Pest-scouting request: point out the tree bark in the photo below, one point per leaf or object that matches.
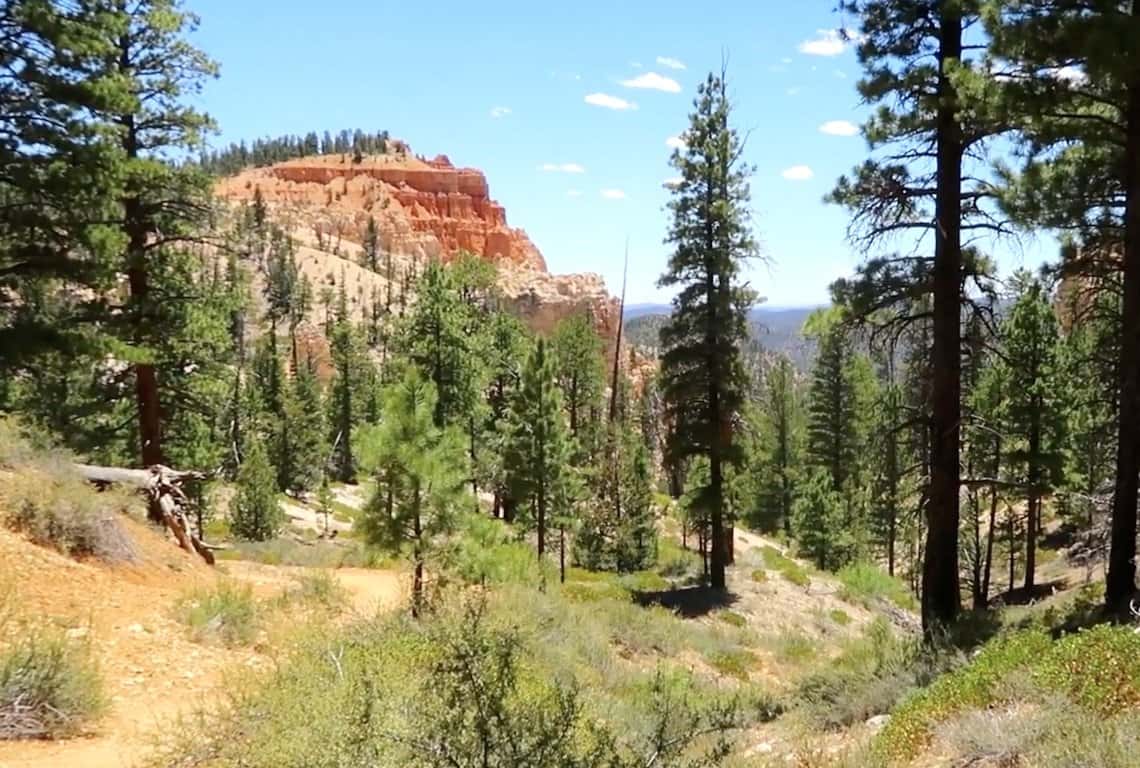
(163, 487)
(941, 597)
(1121, 582)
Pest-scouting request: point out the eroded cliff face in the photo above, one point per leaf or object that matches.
(423, 209)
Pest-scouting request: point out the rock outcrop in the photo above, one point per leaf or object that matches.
(423, 209)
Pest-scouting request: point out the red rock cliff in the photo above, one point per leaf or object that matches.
(423, 208)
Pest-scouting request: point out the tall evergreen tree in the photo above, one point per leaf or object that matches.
(1029, 338)
(933, 108)
(420, 472)
(60, 187)
(436, 339)
(703, 379)
(578, 351)
(255, 514)
(537, 451)
(1075, 76)
(161, 203)
(781, 431)
(343, 415)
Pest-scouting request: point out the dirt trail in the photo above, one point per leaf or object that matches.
(152, 672)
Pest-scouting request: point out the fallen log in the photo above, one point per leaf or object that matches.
(163, 486)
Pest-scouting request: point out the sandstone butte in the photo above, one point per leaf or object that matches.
(423, 209)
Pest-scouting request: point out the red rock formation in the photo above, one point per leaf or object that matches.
(423, 209)
(452, 206)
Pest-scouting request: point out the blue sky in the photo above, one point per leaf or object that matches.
(551, 101)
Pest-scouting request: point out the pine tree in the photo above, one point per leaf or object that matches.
(887, 489)
(536, 455)
(577, 351)
(435, 339)
(371, 244)
(933, 105)
(986, 434)
(1075, 79)
(161, 202)
(703, 379)
(60, 187)
(1035, 417)
(255, 514)
(420, 472)
(780, 450)
(343, 416)
(820, 523)
(506, 353)
(304, 466)
(1088, 361)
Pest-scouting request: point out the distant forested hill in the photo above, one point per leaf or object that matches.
(773, 330)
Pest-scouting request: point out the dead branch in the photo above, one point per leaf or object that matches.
(163, 486)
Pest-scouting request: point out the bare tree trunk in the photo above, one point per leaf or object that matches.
(940, 589)
(163, 487)
(1121, 582)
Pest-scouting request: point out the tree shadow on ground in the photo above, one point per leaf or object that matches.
(1022, 596)
(688, 602)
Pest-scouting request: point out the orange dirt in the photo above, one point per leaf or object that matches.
(152, 671)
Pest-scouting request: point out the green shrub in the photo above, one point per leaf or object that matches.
(759, 575)
(675, 562)
(971, 687)
(1098, 668)
(787, 567)
(733, 662)
(732, 618)
(839, 616)
(56, 508)
(49, 687)
(1094, 669)
(593, 591)
(644, 581)
(485, 551)
(870, 676)
(227, 614)
(866, 583)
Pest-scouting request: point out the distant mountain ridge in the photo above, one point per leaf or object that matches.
(775, 329)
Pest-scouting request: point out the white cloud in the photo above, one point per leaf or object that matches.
(609, 102)
(573, 193)
(798, 173)
(561, 168)
(672, 183)
(786, 60)
(613, 194)
(497, 112)
(777, 68)
(828, 42)
(793, 91)
(675, 142)
(839, 128)
(635, 64)
(841, 74)
(671, 63)
(654, 82)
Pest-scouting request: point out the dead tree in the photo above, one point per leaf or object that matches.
(163, 487)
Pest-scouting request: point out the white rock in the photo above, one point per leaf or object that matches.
(878, 721)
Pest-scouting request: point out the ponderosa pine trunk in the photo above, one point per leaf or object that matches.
(1121, 581)
(147, 400)
(940, 590)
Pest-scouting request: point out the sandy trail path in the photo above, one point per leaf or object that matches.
(152, 672)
